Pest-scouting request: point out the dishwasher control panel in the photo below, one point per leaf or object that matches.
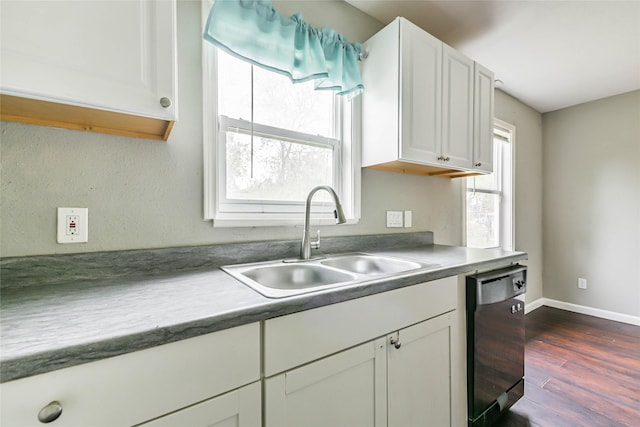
(518, 283)
(496, 285)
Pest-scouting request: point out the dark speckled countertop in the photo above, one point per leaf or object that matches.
(63, 310)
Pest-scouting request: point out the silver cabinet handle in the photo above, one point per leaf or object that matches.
(396, 341)
(50, 413)
(165, 102)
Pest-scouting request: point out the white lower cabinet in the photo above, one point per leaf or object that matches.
(176, 380)
(391, 359)
(239, 408)
(402, 377)
(346, 389)
(419, 374)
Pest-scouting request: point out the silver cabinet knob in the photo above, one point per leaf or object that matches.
(50, 413)
(165, 102)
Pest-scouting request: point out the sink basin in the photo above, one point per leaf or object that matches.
(371, 264)
(279, 279)
(296, 276)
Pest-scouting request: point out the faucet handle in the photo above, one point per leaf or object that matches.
(316, 244)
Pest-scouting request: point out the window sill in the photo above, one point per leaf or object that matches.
(274, 222)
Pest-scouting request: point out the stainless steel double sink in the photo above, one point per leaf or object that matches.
(282, 278)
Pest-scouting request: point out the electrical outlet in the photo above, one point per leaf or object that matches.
(582, 283)
(73, 225)
(394, 219)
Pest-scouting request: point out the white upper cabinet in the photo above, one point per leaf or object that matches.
(483, 120)
(457, 109)
(421, 94)
(425, 106)
(106, 61)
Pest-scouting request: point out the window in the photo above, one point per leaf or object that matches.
(268, 142)
(489, 198)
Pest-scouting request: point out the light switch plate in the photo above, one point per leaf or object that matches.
(73, 225)
(408, 219)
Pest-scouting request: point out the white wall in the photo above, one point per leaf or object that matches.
(145, 194)
(528, 184)
(592, 204)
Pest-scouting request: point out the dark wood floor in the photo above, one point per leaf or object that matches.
(579, 371)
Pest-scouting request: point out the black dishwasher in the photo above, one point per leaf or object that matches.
(495, 342)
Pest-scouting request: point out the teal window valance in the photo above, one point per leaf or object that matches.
(254, 31)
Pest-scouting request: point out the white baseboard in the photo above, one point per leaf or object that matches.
(604, 314)
(533, 305)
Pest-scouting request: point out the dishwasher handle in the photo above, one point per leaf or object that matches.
(497, 285)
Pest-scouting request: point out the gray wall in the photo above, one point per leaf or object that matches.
(592, 204)
(144, 194)
(528, 184)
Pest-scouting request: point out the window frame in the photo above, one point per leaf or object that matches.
(347, 173)
(239, 206)
(505, 168)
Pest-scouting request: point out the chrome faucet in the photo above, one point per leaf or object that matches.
(307, 244)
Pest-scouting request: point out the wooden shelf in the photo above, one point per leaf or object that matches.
(46, 113)
(426, 170)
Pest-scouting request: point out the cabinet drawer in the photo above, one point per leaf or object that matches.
(299, 338)
(139, 386)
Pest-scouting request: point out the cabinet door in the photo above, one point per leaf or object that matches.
(380, 100)
(421, 93)
(111, 55)
(483, 120)
(457, 109)
(419, 374)
(346, 389)
(239, 408)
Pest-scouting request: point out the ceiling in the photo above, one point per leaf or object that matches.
(548, 54)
